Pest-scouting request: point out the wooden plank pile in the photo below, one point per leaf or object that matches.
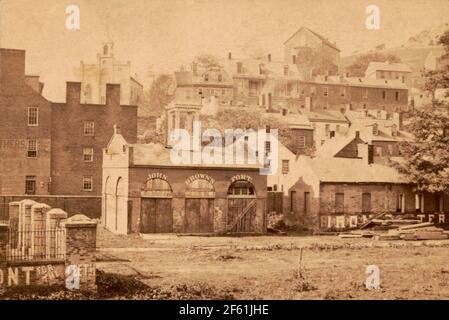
(398, 229)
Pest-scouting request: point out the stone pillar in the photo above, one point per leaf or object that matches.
(4, 242)
(81, 242)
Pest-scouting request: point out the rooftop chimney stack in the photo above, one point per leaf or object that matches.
(269, 57)
(230, 55)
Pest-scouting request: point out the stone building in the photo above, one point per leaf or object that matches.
(312, 53)
(107, 69)
(144, 191)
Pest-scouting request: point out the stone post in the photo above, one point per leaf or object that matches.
(81, 241)
(4, 242)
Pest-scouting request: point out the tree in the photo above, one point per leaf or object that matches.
(427, 157)
(208, 62)
(252, 120)
(358, 67)
(438, 79)
(160, 94)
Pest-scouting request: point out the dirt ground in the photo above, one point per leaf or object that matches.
(266, 267)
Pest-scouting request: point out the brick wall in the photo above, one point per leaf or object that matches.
(80, 256)
(69, 139)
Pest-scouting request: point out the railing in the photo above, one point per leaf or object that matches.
(36, 245)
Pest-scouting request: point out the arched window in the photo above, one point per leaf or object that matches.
(156, 187)
(200, 188)
(241, 188)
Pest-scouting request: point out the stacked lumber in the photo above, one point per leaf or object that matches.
(420, 231)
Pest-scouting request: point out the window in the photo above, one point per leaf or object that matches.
(325, 91)
(365, 93)
(30, 185)
(285, 166)
(87, 183)
(267, 146)
(419, 202)
(438, 203)
(292, 201)
(301, 142)
(285, 70)
(394, 130)
(342, 92)
(239, 67)
(375, 129)
(312, 90)
(384, 95)
(200, 91)
(306, 202)
(89, 128)
(33, 116)
(32, 148)
(337, 128)
(253, 88)
(400, 203)
(379, 151)
(88, 154)
(220, 78)
(327, 130)
(294, 59)
(397, 95)
(206, 77)
(339, 202)
(366, 202)
(390, 150)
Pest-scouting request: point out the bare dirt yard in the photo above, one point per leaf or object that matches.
(266, 267)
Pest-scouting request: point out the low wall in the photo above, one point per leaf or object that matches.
(75, 269)
(88, 205)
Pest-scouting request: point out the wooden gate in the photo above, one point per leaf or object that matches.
(199, 205)
(156, 206)
(156, 215)
(199, 215)
(242, 207)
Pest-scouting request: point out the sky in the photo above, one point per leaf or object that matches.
(165, 34)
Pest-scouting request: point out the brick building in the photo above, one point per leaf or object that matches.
(25, 129)
(54, 150)
(143, 191)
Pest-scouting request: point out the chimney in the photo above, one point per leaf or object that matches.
(366, 152)
(308, 103)
(73, 93)
(269, 57)
(112, 95)
(229, 55)
(357, 134)
(12, 64)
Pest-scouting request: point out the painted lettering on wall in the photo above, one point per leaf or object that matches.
(200, 176)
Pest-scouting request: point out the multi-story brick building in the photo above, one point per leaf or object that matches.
(54, 149)
(25, 129)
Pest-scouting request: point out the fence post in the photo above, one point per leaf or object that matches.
(4, 242)
(81, 242)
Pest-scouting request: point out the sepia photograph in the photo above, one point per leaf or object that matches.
(224, 150)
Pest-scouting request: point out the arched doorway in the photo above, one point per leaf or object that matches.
(242, 205)
(199, 206)
(156, 207)
(120, 204)
(109, 205)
